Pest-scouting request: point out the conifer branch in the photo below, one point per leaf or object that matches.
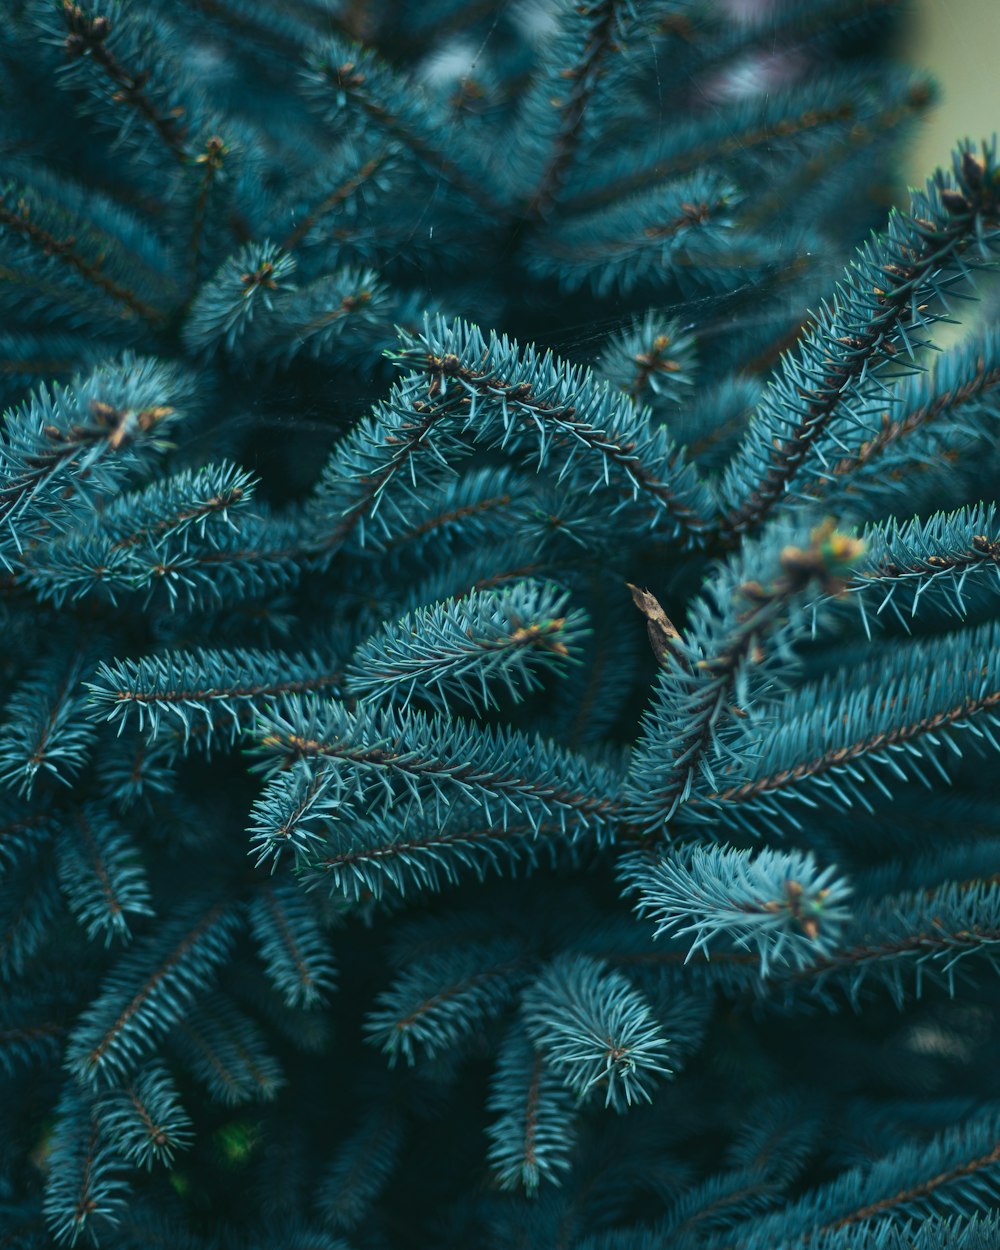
(335, 199)
(145, 1118)
(361, 1170)
(23, 832)
(905, 941)
(916, 1181)
(212, 160)
(460, 652)
(28, 356)
(351, 75)
(840, 756)
(977, 378)
(921, 709)
(533, 1134)
(225, 1051)
(833, 106)
(362, 468)
(43, 733)
(883, 306)
(596, 1030)
(919, 562)
(289, 32)
(147, 993)
(295, 951)
(29, 902)
(821, 169)
(358, 859)
(779, 904)
(922, 1192)
(603, 19)
(744, 623)
(438, 1001)
(102, 876)
(24, 1042)
(65, 249)
(372, 750)
(459, 511)
(687, 225)
(508, 396)
(97, 431)
(87, 38)
(84, 1187)
(652, 361)
(138, 532)
(205, 685)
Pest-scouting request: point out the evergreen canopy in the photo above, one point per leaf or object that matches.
(501, 667)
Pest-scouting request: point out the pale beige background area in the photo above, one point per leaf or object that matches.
(958, 41)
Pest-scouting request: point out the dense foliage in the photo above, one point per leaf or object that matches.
(501, 662)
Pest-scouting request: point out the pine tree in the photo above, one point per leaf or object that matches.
(501, 663)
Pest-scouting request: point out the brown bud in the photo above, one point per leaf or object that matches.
(955, 202)
(920, 94)
(260, 277)
(972, 171)
(755, 592)
(346, 78)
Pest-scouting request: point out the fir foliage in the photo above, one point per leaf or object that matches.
(778, 904)
(595, 1030)
(500, 681)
